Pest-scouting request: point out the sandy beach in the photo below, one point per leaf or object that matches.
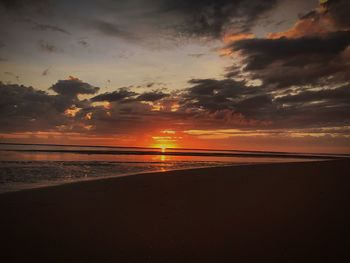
(286, 212)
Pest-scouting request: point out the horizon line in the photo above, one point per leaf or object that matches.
(171, 148)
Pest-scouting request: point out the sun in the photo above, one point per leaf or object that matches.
(163, 148)
(165, 139)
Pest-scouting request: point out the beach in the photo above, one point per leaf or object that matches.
(282, 212)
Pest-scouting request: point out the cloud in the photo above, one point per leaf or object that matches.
(118, 95)
(301, 77)
(152, 96)
(328, 17)
(256, 107)
(20, 6)
(72, 87)
(285, 62)
(196, 55)
(112, 30)
(45, 72)
(182, 19)
(339, 95)
(205, 104)
(262, 52)
(47, 47)
(313, 52)
(212, 94)
(339, 11)
(83, 43)
(45, 27)
(27, 109)
(214, 18)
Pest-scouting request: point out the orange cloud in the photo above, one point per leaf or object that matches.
(306, 27)
(228, 38)
(74, 78)
(317, 22)
(71, 112)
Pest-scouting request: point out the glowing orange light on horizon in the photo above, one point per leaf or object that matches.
(167, 139)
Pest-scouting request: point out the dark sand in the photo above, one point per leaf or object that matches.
(297, 212)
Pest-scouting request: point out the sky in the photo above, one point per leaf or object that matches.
(268, 75)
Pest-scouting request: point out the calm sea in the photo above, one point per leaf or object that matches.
(32, 166)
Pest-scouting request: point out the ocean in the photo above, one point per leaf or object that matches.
(25, 166)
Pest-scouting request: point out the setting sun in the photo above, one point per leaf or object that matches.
(166, 139)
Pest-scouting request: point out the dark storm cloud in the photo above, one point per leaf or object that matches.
(215, 17)
(339, 11)
(295, 61)
(262, 52)
(315, 51)
(220, 95)
(212, 87)
(152, 96)
(305, 109)
(257, 107)
(72, 87)
(118, 95)
(211, 94)
(339, 95)
(305, 77)
(207, 103)
(26, 109)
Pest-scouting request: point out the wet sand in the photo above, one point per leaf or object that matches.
(292, 212)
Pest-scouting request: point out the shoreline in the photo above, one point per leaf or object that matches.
(280, 212)
(111, 177)
(40, 185)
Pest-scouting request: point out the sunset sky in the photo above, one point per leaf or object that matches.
(231, 74)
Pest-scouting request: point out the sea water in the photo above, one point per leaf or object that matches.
(32, 166)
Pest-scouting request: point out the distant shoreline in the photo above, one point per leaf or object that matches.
(170, 148)
(171, 153)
